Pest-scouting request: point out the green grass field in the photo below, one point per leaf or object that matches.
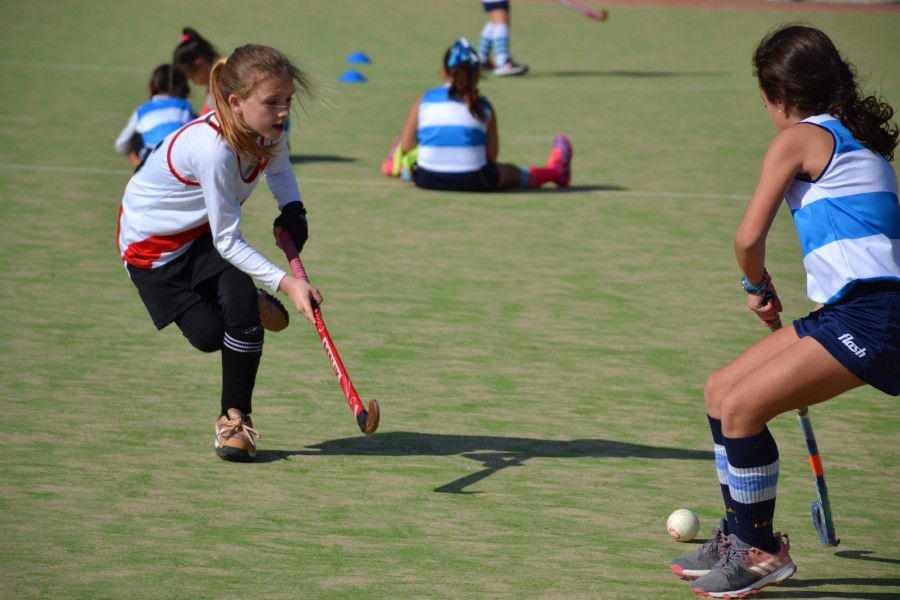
(539, 357)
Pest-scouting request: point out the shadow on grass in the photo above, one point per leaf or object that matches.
(785, 590)
(630, 74)
(297, 159)
(863, 555)
(566, 190)
(493, 452)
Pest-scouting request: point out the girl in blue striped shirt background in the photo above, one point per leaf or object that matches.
(451, 139)
(831, 161)
(152, 121)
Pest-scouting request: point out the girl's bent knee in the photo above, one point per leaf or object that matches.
(739, 418)
(712, 395)
(208, 341)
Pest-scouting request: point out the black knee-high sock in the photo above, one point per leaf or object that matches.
(722, 470)
(752, 480)
(241, 351)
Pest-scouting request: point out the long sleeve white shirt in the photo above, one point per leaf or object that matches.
(193, 183)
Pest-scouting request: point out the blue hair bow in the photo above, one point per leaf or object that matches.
(462, 54)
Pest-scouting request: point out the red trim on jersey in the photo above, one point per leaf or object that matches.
(144, 253)
(209, 121)
(169, 153)
(256, 170)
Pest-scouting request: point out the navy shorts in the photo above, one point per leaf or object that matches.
(862, 331)
(483, 180)
(490, 5)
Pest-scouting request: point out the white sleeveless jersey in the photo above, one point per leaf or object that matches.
(451, 140)
(848, 219)
(193, 183)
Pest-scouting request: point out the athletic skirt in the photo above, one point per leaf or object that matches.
(484, 179)
(169, 290)
(862, 331)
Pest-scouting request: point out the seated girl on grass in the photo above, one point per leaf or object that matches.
(450, 140)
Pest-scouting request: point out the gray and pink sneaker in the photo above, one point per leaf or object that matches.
(744, 570)
(561, 158)
(698, 563)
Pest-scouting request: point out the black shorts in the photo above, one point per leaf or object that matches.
(484, 179)
(862, 331)
(490, 5)
(169, 290)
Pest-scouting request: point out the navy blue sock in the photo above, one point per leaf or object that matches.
(722, 471)
(752, 481)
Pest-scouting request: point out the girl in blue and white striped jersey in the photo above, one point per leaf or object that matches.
(453, 131)
(166, 111)
(830, 160)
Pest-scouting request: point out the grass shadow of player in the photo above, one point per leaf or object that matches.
(297, 159)
(495, 453)
(631, 74)
(863, 555)
(785, 589)
(572, 189)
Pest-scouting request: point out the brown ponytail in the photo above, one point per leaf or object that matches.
(800, 66)
(867, 118)
(464, 86)
(238, 75)
(191, 47)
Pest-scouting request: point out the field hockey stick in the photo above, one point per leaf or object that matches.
(597, 16)
(821, 509)
(366, 419)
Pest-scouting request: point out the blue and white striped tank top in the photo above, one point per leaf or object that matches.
(161, 116)
(848, 219)
(451, 140)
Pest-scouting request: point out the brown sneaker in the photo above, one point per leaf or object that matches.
(272, 314)
(235, 437)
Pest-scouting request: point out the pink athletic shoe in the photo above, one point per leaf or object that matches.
(561, 158)
(387, 167)
(744, 570)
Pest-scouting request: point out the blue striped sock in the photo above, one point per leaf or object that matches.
(501, 43)
(484, 43)
(752, 481)
(524, 176)
(715, 426)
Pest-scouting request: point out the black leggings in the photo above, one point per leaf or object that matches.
(230, 302)
(228, 320)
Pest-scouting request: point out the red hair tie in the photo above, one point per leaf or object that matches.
(185, 37)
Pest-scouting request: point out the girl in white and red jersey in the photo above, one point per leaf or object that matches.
(195, 57)
(180, 237)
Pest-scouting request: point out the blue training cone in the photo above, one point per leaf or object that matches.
(359, 58)
(352, 77)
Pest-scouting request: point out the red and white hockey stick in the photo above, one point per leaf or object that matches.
(597, 16)
(366, 419)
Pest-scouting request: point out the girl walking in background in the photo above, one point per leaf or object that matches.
(495, 39)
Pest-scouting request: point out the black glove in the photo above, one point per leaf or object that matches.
(293, 220)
